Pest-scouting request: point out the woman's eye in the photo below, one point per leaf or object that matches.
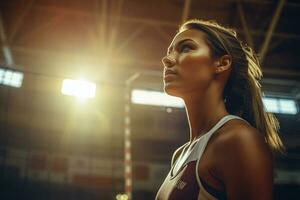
(184, 48)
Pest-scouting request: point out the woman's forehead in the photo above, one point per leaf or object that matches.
(193, 34)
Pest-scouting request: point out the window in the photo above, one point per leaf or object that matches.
(11, 78)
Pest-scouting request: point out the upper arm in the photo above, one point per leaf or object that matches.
(245, 165)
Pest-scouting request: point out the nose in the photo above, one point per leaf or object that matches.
(168, 61)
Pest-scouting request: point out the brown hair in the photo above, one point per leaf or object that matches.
(242, 93)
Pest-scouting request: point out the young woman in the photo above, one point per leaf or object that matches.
(232, 139)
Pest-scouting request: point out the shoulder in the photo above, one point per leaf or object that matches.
(239, 135)
(244, 161)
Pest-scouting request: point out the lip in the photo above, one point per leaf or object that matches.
(169, 75)
(169, 72)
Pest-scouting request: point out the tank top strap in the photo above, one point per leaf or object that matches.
(203, 140)
(194, 153)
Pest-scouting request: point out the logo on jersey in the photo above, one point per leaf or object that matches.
(180, 184)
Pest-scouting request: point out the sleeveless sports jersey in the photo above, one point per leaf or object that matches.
(183, 181)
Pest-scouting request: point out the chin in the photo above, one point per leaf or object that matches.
(171, 90)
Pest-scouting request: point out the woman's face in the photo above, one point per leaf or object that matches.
(188, 66)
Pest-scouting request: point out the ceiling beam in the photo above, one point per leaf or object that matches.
(20, 19)
(101, 23)
(186, 10)
(162, 23)
(245, 26)
(139, 30)
(265, 45)
(115, 27)
(8, 58)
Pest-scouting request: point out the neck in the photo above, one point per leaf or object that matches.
(203, 112)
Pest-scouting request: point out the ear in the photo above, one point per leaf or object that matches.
(223, 64)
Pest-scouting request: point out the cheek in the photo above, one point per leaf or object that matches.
(196, 67)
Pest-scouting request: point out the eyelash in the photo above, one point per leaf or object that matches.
(183, 47)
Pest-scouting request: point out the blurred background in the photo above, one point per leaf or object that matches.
(66, 66)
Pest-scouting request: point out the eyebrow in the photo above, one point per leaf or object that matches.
(178, 43)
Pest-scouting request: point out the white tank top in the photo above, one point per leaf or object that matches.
(192, 153)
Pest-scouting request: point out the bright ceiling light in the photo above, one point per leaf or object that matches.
(78, 88)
